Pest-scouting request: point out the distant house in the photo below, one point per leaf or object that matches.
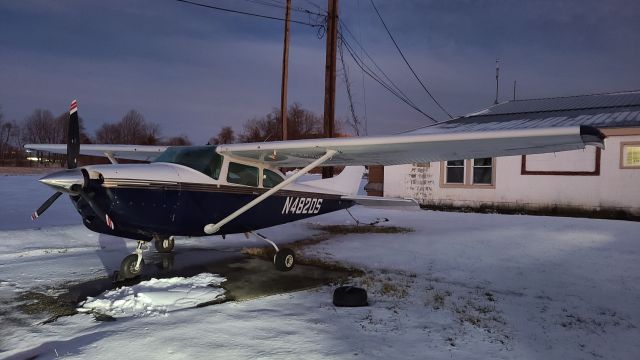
(590, 182)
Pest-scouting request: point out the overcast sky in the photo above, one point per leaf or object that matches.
(194, 70)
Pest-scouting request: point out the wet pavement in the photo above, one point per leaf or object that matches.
(248, 277)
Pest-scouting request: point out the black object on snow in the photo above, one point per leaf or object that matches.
(350, 296)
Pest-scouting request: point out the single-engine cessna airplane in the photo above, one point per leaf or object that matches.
(237, 188)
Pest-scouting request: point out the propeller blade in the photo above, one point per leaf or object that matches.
(73, 137)
(45, 205)
(101, 214)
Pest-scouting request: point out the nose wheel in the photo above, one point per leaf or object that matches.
(284, 259)
(131, 266)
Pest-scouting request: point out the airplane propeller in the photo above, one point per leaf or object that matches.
(73, 150)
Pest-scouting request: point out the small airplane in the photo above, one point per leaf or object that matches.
(238, 188)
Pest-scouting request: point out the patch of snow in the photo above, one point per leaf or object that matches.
(156, 296)
(462, 286)
(22, 194)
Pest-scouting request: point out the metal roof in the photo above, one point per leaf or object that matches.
(599, 110)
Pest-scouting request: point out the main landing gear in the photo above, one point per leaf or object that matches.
(164, 245)
(284, 259)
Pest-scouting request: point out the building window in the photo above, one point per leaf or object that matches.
(630, 156)
(470, 173)
(483, 171)
(455, 172)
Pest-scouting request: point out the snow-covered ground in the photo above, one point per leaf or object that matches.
(462, 286)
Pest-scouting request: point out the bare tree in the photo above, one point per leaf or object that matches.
(40, 128)
(181, 140)
(225, 136)
(266, 128)
(132, 129)
(9, 133)
(302, 124)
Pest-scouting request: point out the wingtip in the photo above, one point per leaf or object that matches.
(592, 136)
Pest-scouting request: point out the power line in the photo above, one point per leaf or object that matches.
(345, 73)
(407, 62)
(247, 13)
(372, 75)
(280, 6)
(364, 51)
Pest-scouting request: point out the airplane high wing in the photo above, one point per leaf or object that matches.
(130, 152)
(416, 148)
(379, 150)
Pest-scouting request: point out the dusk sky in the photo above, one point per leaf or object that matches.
(194, 70)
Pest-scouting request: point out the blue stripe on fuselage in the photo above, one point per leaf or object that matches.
(181, 212)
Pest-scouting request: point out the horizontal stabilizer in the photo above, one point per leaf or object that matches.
(383, 202)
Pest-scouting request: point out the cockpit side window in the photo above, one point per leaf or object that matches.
(270, 178)
(204, 159)
(242, 174)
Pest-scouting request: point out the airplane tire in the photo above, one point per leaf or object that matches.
(128, 267)
(164, 245)
(350, 296)
(284, 259)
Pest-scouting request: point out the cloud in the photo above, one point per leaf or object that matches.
(194, 71)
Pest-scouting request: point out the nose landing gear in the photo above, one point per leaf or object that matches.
(131, 266)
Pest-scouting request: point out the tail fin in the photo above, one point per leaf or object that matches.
(347, 182)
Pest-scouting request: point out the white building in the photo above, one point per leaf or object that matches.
(591, 182)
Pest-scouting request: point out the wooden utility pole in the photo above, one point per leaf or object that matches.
(285, 73)
(330, 76)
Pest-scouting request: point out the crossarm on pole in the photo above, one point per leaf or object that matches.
(214, 228)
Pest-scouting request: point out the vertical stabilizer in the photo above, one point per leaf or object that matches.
(347, 183)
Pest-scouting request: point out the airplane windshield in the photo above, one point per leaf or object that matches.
(204, 159)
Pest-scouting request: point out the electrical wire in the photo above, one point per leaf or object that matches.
(280, 6)
(371, 73)
(407, 62)
(247, 13)
(375, 64)
(375, 77)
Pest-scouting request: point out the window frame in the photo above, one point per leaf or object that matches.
(622, 154)
(446, 172)
(595, 172)
(468, 176)
(473, 171)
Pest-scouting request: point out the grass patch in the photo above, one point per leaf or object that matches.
(363, 229)
(38, 303)
(267, 253)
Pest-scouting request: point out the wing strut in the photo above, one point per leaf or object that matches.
(213, 228)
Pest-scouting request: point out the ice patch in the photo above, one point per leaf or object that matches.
(156, 296)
